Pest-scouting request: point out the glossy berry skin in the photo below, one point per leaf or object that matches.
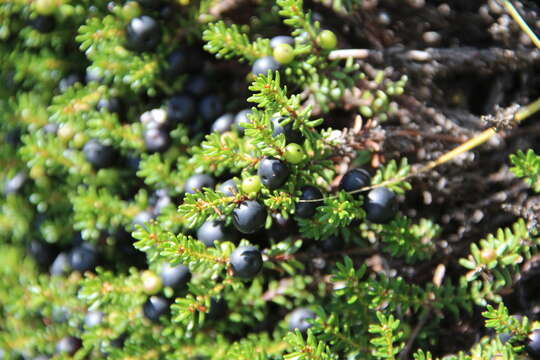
(251, 185)
(69, 81)
(281, 39)
(181, 109)
(327, 40)
(283, 53)
(112, 105)
(264, 64)
(246, 262)
(175, 277)
(291, 135)
(68, 345)
(93, 318)
(151, 282)
(143, 34)
(98, 154)
(142, 218)
(83, 257)
(210, 107)
(197, 182)
(354, 179)
(294, 153)
(298, 319)
(242, 117)
(273, 173)
(249, 217)
(61, 265)
(228, 188)
(380, 205)
(307, 209)
(156, 140)
(223, 123)
(212, 231)
(43, 23)
(16, 183)
(155, 307)
(533, 346)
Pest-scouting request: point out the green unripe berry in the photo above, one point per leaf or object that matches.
(251, 185)
(283, 53)
(327, 40)
(294, 153)
(45, 7)
(151, 282)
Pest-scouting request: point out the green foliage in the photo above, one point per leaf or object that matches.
(527, 166)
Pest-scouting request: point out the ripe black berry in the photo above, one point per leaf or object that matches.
(197, 85)
(61, 265)
(43, 23)
(43, 253)
(210, 107)
(533, 346)
(380, 205)
(273, 173)
(218, 308)
(308, 209)
(83, 257)
(212, 231)
(249, 216)
(355, 179)
(69, 81)
(246, 262)
(223, 123)
(143, 34)
(16, 183)
(291, 135)
(242, 117)
(156, 140)
(68, 345)
(97, 154)
(299, 319)
(228, 188)
(154, 307)
(159, 200)
(181, 109)
(331, 244)
(197, 182)
(264, 64)
(93, 318)
(142, 219)
(112, 105)
(178, 63)
(281, 39)
(176, 277)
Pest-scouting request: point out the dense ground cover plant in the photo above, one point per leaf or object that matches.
(267, 180)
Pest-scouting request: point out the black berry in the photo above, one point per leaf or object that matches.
(68, 345)
(83, 257)
(380, 205)
(43, 23)
(156, 140)
(218, 308)
(176, 277)
(273, 173)
(223, 123)
(181, 109)
(42, 252)
(98, 154)
(210, 107)
(281, 39)
(246, 262)
(212, 231)
(533, 346)
(197, 182)
(142, 218)
(61, 265)
(264, 64)
(331, 244)
(299, 319)
(242, 117)
(197, 85)
(16, 183)
(249, 216)
(69, 81)
(112, 105)
(178, 63)
(291, 135)
(155, 307)
(50, 128)
(143, 34)
(355, 179)
(93, 318)
(228, 188)
(308, 209)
